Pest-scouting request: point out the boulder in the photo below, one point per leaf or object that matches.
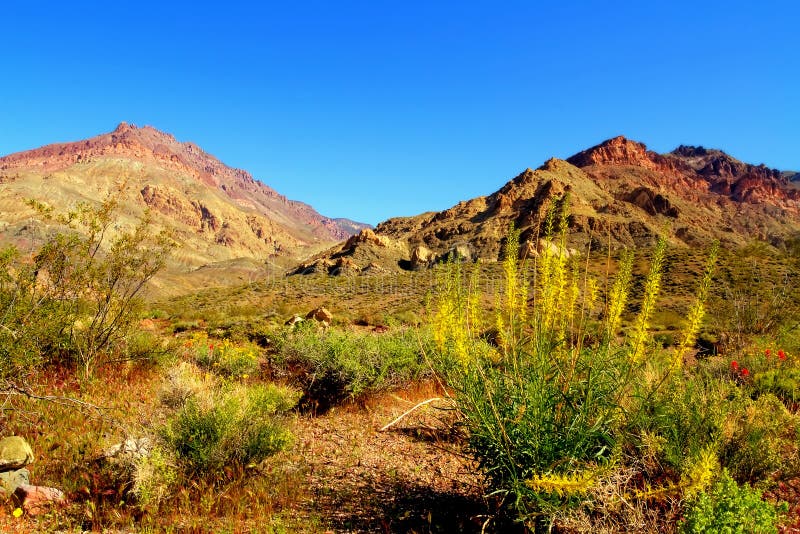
(321, 315)
(421, 257)
(553, 249)
(15, 453)
(528, 250)
(373, 268)
(461, 252)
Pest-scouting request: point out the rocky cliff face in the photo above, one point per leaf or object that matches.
(218, 213)
(620, 194)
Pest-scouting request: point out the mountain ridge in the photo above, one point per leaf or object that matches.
(149, 143)
(621, 195)
(217, 213)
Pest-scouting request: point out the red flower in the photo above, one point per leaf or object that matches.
(767, 352)
(745, 372)
(211, 347)
(781, 355)
(734, 365)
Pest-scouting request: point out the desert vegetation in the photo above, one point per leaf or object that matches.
(606, 391)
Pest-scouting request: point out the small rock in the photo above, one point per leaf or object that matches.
(294, 320)
(11, 480)
(15, 453)
(133, 448)
(37, 499)
(321, 315)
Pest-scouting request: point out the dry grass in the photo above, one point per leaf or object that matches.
(342, 474)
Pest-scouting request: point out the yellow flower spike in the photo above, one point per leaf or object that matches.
(17, 512)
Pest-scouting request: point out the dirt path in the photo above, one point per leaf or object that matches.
(409, 479)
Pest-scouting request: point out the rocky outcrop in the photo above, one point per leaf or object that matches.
(651, 202)
(367, 236)
(741, 182)
(620, 151)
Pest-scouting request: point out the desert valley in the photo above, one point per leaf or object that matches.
(608, 343)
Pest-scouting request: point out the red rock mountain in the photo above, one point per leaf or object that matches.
(217, 212)
(620, 194)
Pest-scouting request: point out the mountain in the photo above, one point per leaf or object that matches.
(217, 213)
(620, 195)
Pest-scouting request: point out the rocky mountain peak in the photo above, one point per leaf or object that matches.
(616, 151)
(123, 127)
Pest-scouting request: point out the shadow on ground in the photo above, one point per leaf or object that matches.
(406, 508)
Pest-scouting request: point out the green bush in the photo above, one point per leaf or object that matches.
(728, 507)
(227, 358)
(154, 477)
(762, 438)
(561, 398)
(784, 383)
(688, 413)
(333, 365)
(229, 426)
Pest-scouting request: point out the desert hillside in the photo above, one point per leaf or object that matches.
(215, 212)
(620, 195)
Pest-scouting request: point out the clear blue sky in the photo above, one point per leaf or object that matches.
(374, 109)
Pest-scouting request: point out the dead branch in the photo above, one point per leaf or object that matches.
(421, 404)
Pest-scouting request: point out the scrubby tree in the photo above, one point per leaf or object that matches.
(76, 297)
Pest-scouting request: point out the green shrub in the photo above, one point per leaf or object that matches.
(687, 412)
(147, 347)
(728, 507)
(761, 438)
(334, 365)
(255, 331)
(31, 329)
(229, 426)
(227, 358)
(561, 397)
(155, 476)
(782, 382)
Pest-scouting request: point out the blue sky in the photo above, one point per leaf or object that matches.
(373, 109)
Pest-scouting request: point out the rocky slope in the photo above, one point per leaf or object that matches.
(217, 213)
(620, 194)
